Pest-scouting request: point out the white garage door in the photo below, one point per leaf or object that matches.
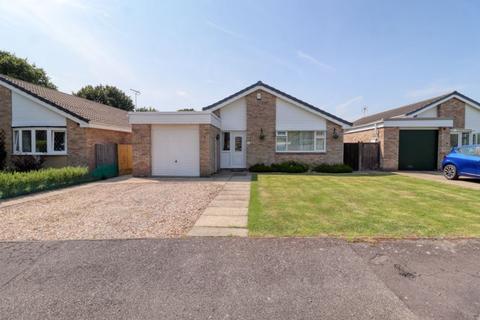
(175, 150)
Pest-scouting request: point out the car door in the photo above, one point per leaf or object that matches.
(469, 160)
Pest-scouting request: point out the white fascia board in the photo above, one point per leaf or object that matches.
(344, 125)
(195, 117)
(44, 104)
(419, 123)
(471, 103)
(365, 127)
(105, 127)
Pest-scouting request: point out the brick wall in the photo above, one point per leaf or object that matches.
(81, 143)
(361, 136)
(6, 119)
(443, 145)
(100, 136)
(209, 149)
(454, 109)
(261, 115)
(142, 150)
(389, 146)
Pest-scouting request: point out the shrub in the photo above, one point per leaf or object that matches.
(260, 167)
(333, 168)
(290, 167)
(27, 163)
(18, 183)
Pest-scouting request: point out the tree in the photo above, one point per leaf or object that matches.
(13, 66)
(186, 110)
(146, 109)
(109, 95)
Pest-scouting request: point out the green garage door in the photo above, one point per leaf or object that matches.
(418, 150)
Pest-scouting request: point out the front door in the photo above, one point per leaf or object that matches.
(233, 149)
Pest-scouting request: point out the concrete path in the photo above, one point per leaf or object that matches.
(239, 278)
(464, 182)
(227, 214)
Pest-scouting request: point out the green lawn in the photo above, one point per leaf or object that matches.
(361, 206)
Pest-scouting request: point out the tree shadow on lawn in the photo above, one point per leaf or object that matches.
(356, 174)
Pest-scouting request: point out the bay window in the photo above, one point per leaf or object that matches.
(301, 141)
(39, 141)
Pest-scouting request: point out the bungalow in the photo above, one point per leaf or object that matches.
(419, 135)
(259, 124)
(61, 127)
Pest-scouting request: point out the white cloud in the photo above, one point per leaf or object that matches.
(344, 109)
(63, 22)
(311, 59)
(432, 90)
(225, 30)
(181, 93)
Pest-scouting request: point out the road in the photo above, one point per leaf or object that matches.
(231, 278)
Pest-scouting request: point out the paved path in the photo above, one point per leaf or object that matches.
(465, 182)
(239, 278)
(227, 214)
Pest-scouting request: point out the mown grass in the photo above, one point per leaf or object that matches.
(19, 183)
(361, 206)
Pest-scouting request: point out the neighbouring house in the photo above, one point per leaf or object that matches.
(258, 124)
(419, 135)
(61, 127)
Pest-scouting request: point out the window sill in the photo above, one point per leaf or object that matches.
(302, 152)
(38, 154)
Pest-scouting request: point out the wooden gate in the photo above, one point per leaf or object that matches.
(106, 162)
(362, 155)
(351, 155)
(125, 159)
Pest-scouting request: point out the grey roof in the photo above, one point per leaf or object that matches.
(85, 110)
(280, 93)
(408, 109)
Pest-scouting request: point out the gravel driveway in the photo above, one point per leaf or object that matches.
(134, 208)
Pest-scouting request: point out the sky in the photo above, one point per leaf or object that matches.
(340, 56)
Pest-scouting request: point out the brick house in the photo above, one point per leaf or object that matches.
(259, 124)
(60, 127)
(419, 135)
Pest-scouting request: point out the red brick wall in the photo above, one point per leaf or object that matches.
(261, 114)
(208, 144)
(81, 143)
(142, 150)
(454, 109)
(361, 136)
(6, 119)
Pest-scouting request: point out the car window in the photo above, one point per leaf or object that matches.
(470, 150)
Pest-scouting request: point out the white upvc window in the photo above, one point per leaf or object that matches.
(301, 141)
(40, 141)
(460, 138)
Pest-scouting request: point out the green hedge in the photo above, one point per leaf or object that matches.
(296, 167)
(19, 183)
(333, 168)
(289, 167)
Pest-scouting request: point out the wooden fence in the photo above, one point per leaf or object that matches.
(125, 159)
(362, 155)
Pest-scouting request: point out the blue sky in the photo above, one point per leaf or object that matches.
(337, 55)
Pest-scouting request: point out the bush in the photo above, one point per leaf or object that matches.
(19, 183)
(333, 168)
(290, 167)
(27, 163)
(260, 167)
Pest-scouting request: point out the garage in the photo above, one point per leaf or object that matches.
(418, 150)
(175, 150)
(183, 144)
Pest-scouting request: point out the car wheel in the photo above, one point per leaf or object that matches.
(450, 172)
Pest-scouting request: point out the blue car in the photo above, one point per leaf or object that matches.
(462, 161)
